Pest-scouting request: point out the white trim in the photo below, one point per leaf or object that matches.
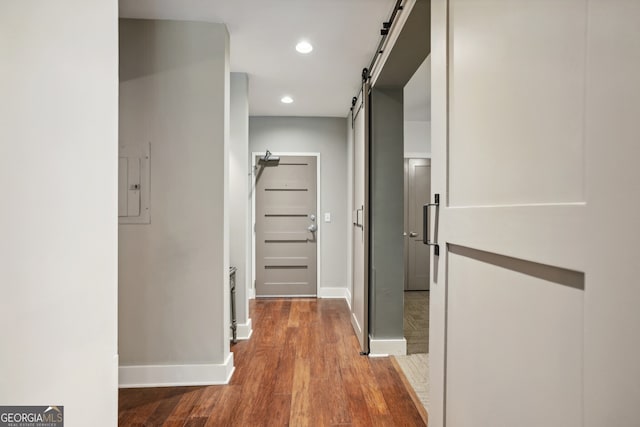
(255, 154)
(333, 293)
(382, 348)
(244, 330)
(391, 39)
(417, 155)
(176, 375)
(349, 212)
(251, 294)
(289, 296)
(354, 319)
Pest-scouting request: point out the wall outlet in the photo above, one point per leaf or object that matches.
(327, 217)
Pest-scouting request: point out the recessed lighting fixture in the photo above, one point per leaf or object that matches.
(286, 100)
(304, 47)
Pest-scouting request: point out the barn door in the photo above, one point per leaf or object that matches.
(360, 219)
(535, 106)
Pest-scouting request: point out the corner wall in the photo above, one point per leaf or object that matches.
(239, 200)
(386, 296)
(327, 136)
(58, 169)
(173, 277)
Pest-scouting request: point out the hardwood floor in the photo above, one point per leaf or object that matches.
(301, 367)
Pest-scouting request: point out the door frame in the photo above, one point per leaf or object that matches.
(252, 290)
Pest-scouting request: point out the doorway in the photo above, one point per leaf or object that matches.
(417, 190)
(286, 225)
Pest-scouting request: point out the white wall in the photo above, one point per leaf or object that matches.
(239, 201)
(325, 135)
(174, 296)
(417, 139)
(58, 169)
(417, 112)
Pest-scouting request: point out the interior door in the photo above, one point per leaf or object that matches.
(360, 220)
(286, 227)
(417, 194)
(534, 317)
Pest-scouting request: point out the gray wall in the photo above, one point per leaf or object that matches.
(328, 137)
(58, 169)
(239, 185)
(173, 275)
(386, 295)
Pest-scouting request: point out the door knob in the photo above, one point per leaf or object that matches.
(413, 234)
(312, 217)
(312, 228)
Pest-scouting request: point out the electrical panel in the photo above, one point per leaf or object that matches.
(133, 184)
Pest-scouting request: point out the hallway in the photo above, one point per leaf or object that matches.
(301, 367)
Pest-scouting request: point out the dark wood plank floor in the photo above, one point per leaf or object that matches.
(301, 367)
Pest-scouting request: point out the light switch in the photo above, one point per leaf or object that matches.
(327, 217)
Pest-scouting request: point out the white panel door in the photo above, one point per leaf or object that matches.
(534, 295)
(360, 220)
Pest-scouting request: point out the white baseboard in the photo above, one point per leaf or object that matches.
(322, 293)
(383, 348)
(333, 293)
(176, 375)
(244, 330)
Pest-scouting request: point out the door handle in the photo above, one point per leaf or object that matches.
(312, 228)
(425, 224)
(413, 234)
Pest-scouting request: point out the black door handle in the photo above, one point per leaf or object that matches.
(425, 224)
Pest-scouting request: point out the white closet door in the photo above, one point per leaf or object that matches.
(535, 107)
(360, 220)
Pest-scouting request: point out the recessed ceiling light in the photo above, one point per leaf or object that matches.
(304, 47)
(286, 100)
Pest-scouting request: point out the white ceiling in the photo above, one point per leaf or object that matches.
(344, 34)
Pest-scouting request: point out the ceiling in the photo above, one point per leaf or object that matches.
(344, 35)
